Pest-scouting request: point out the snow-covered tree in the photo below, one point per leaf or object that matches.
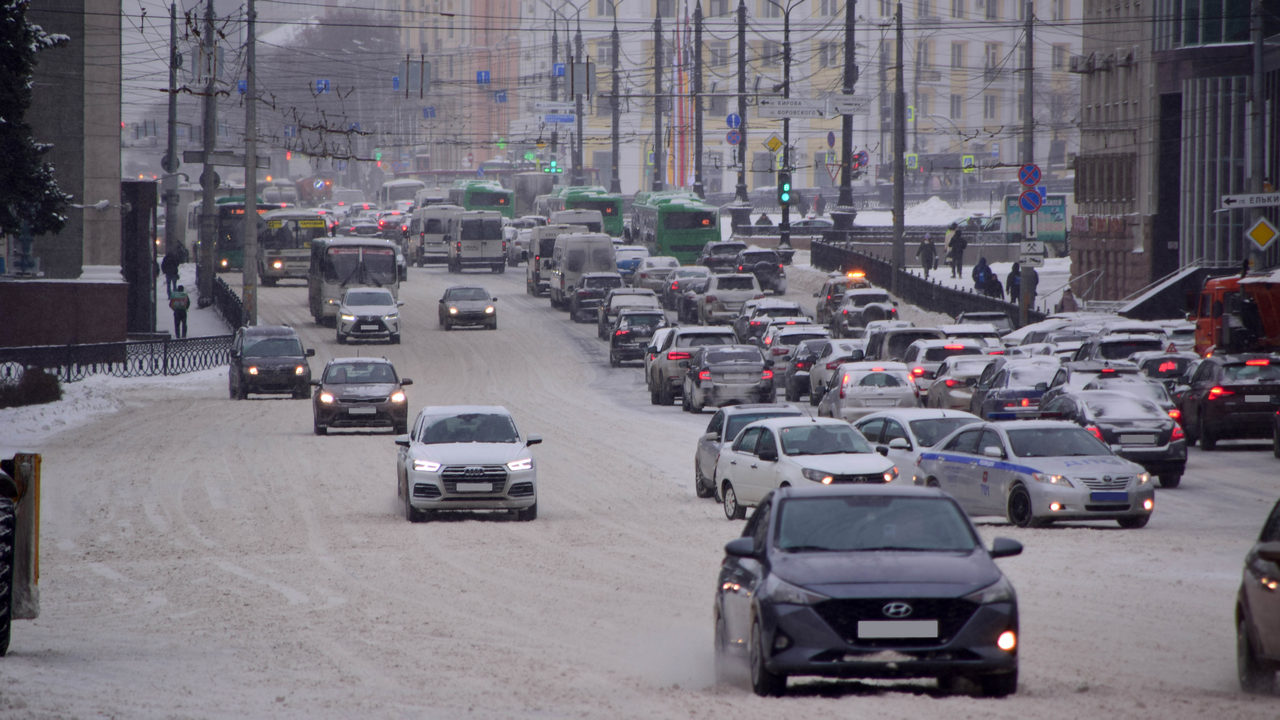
(29, 194)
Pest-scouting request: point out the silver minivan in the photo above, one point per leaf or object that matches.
(573, 255)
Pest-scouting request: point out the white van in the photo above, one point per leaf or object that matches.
(474, 239)
(573, 255)
(542, 243)
(591, 219)
(430, 247)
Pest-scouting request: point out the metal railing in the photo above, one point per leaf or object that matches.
(135, 358)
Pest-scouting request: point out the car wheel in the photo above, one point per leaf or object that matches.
(411, 513)
(493, 324)
(684, 401)
(529, 513)
(664, 392)
(815, 397)
(1255, 677)
(791, 394)
(1134, 522)
(763, 682)
(1208, 440)
(722, 658)
(1170, 480)
(653, 396)
(320, 429)
(342, 339)
(1019, 507)
(231, 390)
(701, 486)
(8, 524)
(933, 483)
(729, 500)
(448, 325)
(999, 685)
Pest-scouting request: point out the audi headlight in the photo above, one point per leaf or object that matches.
(397, 396)
(348, 317)
(521, 464)
(999, 591)
(453, 311)
(326, 397)
(253, 370)
(488, 310)
(1048, 479)
(784, 592)
(300, 370)
(818, 476)
(425, 466)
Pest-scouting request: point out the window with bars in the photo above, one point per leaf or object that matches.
(604, 8)
(991, 55)
(665, 8)
(829, 8)
(1059, 9)
(925, 8)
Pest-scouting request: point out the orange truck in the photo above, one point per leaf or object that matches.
(1238, 313)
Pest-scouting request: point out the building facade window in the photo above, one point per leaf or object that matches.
(770, 9)
(665, 8)
(989, 107)
(830, 54)
(716, 8)
(957, 8)
(957, 55)
(993, 9)
(771, 53)
(957, 107)
(604, 8)
(1060, 55)
(719, 55)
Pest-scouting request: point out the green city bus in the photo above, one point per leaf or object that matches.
(594, 198)
(228, 244)
(673, 222)
(483, 195)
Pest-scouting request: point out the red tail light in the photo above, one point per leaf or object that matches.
(952, 347)
(621, 333)
(1176, 414)
(739, 268)
(1094, 431)
(843, 381)
(678, 355)
(917, 371)
(893, 312)
(704, 375)
(779, 351)
(1167, 366)
(950, 382)
(877, 369)
(711, 298)
(1218, 391)
(833, 364)
(1178, 434)
(766, 375)
(1259, 361)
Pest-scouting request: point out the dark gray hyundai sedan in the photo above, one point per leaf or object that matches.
(878, 581)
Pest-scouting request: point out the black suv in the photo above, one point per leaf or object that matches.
(631, 332)
(721, 256)
(1231, 396)
(589, 295)
(766, 265)
(268, 359)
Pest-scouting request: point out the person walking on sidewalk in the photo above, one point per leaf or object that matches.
(179, 301)
(955, 250)
(928, 253)
(169, 266)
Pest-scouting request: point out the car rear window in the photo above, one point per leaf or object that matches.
(602, 282)
(729, 282)
(1165, 367)
(726, 249)
(931, 430)
(701, 339)
(880, 379)
(897, 343)
(1257, 372)
(797, 338)
(1121, 405)
(938, 354)
(1030, 376)
(1118, 349)
(864, 299)
(734, 355)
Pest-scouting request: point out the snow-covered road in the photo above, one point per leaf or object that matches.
(204, 557)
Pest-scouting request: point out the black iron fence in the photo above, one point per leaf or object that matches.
(913, 289)
(228, 303)
(135, 358)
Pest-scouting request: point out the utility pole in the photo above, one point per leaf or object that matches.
(208, 178)
(1256, 135)
(1028, 156)
(615, 182)
(899, 169)
(172, 239)
(579, 177)
(784, 229)
(844, 213)
(251, 171)
(555, 84)
(740, 210)
(697, 101)
(659, 158)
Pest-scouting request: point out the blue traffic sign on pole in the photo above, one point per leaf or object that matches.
(1029, 175)
(733, 137)
(1029, 201)
(734, 121)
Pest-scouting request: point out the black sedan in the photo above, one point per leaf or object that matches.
(1136, 429)
(360, 392)
(631, 332)
(1231, 396)
(1258, 611)
(875, 581)
(719, 375)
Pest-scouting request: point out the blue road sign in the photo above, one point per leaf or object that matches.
(499, 96)
(1030, 201)
(322, 86)
(559, 118)
(733, 137)
(395, 82)
(428, 112)
(557, 70)
(318, 184)
(482, 77)
(734, 121)
(243, 86)
(1029, 175)
(290, 131)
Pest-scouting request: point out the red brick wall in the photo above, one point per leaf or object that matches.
(61, 312)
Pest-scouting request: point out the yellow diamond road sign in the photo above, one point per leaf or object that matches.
(1263, 233)
(774, 143)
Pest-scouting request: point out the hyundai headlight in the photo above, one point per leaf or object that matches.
(425, 466)
(999, 591)
(1048, 479)
(818, 476)
(891, 474)
(453, 311)
(784, 592)
(521, 464)
(397, 396)
(326, 397)
(488, 310)
(253, 370)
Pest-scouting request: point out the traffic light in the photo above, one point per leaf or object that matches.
(553, 167)
(784, 188)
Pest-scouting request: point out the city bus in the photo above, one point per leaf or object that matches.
(403, 190)
(483, 195)
(284, 247)
(338, 263)
(228, 243)
(673, 222)
(593, 198)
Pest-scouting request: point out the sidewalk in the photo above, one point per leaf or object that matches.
(201, 322)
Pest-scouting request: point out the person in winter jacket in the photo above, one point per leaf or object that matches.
(955, 249)
(179, 301)
(1013, 283)
(928, 254)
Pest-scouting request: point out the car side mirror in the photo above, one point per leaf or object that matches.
(769, 454)
(652, 349)
(768, 362)
(405, 381)
(992, 451)
(399, 303)
(883, 450)
(494, 300)
(899, 444)
(817, 294)
(532, 440)
(1042, 386)
(743, 547)
(402, 441)
(1005, 547)
(315, 383)
(711, 437)
(311, 352)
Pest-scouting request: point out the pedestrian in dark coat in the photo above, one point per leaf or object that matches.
(928, 254)
(958, 244)
(1013, 283)
(179, 301)
(169, 266)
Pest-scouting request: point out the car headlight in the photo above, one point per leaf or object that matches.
(818, 476)
(326, 397)
(277, 265)
(488, 310)
(1144, 478)
(300, 370)
(425, 466)
(397, 396)
(891, 474)
(782, 591)
(1060, 480)
(521, 464)
(453, 311)
(392, 316)
(253, 370)
(998, 591)
(348, 317)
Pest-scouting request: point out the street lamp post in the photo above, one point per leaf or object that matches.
(784, 228)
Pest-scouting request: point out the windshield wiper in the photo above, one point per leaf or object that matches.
(898, 547)
(808, 548)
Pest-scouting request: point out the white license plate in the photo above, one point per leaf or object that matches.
(739, 377)
(369, 327)
(362, 411)
(888, 629)
(881, 403)
(1137, 439)
(475, 487)
(1257, 398)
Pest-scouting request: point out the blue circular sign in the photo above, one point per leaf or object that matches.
(831, 138)
(733, 137)
(1029, 201)
(1029, 175)
(734, 121)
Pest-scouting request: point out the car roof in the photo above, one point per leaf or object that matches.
(942, 342)
(354, 359)
(788, 410)
(269, 331)
(774, 423)
(465, 287)
(837, 490)
(918, 413)
(703, 330)
(446, 410)
(874, 366)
